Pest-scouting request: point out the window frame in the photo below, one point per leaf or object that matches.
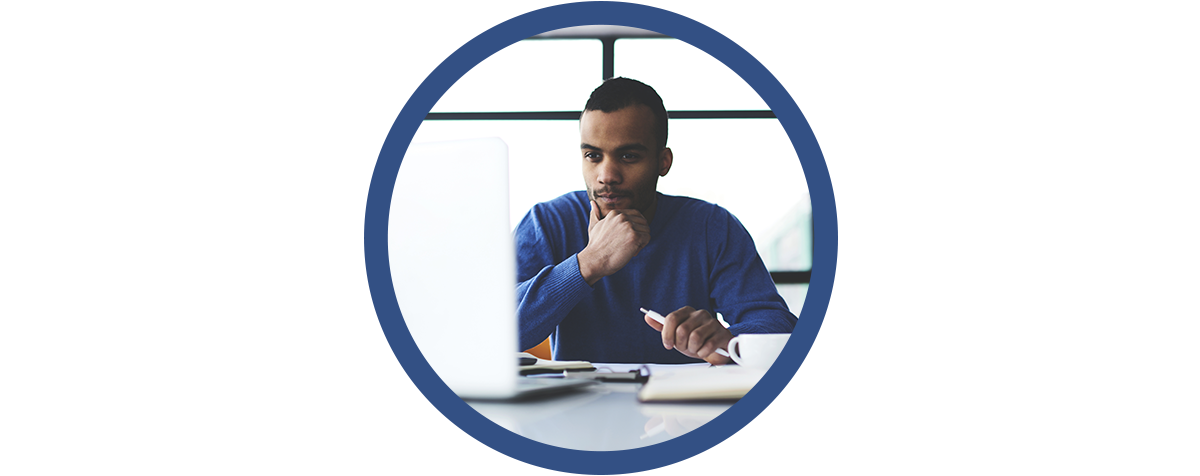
(608, 36)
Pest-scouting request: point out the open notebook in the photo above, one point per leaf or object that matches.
(724, 383)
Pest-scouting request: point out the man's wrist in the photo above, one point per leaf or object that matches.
(587, 268)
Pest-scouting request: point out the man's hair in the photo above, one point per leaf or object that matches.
(615, 94)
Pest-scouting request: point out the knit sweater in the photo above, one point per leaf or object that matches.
(699, 255)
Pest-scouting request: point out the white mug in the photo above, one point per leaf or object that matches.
(757, 350)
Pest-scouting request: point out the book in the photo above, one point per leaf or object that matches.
(543, 366)
(723, 383)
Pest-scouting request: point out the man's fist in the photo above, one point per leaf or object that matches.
(613, 240)
(694, 333)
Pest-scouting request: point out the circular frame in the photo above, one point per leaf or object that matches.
(383, 180)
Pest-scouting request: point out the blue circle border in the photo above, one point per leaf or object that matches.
(379, 197)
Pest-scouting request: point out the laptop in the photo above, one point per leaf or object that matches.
(453, 265)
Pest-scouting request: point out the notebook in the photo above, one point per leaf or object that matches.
(723, 383)
(543, 366)
(453, 265)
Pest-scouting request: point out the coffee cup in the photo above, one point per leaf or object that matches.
(757, 351)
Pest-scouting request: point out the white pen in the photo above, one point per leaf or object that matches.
(662, 320)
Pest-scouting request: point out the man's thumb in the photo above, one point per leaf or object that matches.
(592, 215)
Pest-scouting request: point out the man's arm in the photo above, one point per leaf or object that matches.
(548, 285)
(544, 300)
(548, 289)
(740, 287)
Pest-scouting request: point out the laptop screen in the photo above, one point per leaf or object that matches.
(454, 264)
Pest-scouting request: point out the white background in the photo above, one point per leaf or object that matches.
(182, 281)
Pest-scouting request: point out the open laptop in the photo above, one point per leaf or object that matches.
(454, 267)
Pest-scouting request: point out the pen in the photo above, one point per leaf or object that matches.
(662, 320)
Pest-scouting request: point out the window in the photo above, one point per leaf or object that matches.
(729, 149)
(530, 75)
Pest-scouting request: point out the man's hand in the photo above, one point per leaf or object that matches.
(612, 242)
(694, 333)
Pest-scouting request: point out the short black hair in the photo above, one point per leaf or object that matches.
(615, 94)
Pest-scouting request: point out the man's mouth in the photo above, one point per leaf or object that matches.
(611, 197)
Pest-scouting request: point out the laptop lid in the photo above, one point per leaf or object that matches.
(453, 263)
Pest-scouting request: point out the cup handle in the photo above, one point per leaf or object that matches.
(733, 353)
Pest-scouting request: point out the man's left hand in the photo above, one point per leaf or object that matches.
(694, 333)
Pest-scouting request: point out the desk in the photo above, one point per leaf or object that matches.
(603, 417)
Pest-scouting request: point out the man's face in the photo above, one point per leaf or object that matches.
(621, 159)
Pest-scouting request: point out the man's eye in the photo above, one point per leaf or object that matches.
(630, 157)
(591, 155)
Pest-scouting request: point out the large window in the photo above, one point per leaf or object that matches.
(729, 149)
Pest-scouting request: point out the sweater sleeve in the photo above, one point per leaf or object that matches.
(742, 289)
(547, 287)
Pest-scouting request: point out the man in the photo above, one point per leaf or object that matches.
(588, 260)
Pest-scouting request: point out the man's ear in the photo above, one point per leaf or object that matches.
(665, 157)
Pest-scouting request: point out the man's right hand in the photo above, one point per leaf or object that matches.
(613, 240)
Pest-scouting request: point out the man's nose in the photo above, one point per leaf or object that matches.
(607, 172)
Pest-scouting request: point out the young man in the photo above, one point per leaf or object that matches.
(588, 260)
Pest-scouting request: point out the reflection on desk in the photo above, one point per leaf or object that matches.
(605, 417)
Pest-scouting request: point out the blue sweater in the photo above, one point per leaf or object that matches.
(699, 255)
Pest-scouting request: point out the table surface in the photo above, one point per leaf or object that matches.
(604, 417)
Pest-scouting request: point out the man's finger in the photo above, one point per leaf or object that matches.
(597, 215)
(695, 332)
(712, 331)
(668, 330)
(716, 359)
(698, 338)
(709, 351)
(635, 217)
(653, 323)
(643, 237)
(683, 333)
(633, 212)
